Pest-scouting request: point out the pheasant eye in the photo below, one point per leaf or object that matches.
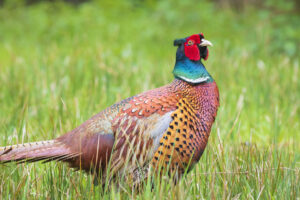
(190, 42)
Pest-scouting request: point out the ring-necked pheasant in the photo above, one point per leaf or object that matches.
(167, 127)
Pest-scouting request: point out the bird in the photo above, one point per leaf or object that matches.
(161, 130)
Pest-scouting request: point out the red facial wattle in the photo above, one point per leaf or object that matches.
(192, 52)
(191, 49)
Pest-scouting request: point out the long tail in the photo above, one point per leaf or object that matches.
(31, 152)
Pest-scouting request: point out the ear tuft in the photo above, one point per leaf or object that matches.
(178, 42)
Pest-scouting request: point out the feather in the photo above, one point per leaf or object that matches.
(32, 152)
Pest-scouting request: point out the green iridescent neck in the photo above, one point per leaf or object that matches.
(191, 71)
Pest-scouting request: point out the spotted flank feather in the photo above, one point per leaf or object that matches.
(183, 143)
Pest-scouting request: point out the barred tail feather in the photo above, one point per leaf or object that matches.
(32, 152)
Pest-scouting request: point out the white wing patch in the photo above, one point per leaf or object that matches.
(159, 129)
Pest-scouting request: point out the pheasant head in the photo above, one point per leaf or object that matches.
(188, 64)
(193, 47)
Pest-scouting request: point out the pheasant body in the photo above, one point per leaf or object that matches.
(166, 128)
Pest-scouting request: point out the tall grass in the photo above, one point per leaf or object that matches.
(59, 65)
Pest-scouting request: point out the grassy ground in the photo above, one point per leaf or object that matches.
(59, 65)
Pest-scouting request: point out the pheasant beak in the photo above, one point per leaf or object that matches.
(205, 43)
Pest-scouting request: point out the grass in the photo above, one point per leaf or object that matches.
(59, 65)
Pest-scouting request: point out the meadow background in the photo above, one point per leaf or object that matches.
(62, 62)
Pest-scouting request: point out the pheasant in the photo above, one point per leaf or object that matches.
(165, 128)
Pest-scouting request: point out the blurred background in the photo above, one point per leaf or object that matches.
(63, 61)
